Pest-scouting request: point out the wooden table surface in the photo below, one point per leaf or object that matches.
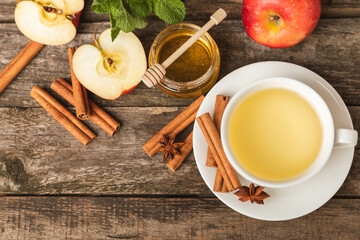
(55, 188)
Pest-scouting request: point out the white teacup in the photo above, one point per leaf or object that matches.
(332, 138)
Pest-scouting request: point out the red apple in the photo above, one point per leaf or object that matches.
(280, 23)
(50, 22)
(109, 68)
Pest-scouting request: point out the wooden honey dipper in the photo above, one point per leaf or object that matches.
(157, 71)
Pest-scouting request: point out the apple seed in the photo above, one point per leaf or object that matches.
(53, 10)
(47, 9)
(70, 17)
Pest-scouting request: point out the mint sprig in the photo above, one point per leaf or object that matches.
(170, 11)
(126, 15)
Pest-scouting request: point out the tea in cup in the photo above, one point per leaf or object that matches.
(278, 132)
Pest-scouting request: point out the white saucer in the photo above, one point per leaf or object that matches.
(295, 201)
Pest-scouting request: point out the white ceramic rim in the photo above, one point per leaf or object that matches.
(312, 97)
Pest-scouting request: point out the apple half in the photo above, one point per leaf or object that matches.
(109, 68)
(50, 22)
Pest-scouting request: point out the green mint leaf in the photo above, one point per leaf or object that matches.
(121, 18)
(140, 23)
(125, 20)
(114, 32)
(101, 6)
(126, 15)
(114, 16)
(171, 11)
(140, 8)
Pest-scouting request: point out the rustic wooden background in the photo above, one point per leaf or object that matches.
(55, 188)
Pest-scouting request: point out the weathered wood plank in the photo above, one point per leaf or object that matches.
(37, 156)
(332, 51)
(164, 218)
(202, 9)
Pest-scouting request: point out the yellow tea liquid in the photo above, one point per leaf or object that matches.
(275, 134)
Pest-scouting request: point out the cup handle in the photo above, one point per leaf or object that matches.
(345, 138)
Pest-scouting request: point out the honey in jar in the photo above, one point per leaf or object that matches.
(195, 71)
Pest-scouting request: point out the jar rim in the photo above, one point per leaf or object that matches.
(175, 86)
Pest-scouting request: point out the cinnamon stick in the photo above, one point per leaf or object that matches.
(220, 105)
(18, 63)
(219, 181)
(179, 123)
(212, 137)
(80, 93)
(62, 115)
(219, 185)
(224, 189)
(184, 150)
(98, 115)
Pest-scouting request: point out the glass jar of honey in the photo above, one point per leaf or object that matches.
(194, 72)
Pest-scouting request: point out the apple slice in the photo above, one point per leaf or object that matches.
(110, 69)
(50, 22)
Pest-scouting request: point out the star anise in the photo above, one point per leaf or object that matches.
(252, 193)
(169, 148)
